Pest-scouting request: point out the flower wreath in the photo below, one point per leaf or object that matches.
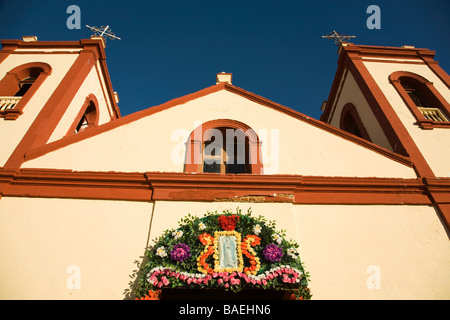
(190, 257)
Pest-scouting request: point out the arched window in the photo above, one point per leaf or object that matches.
(351, 122)
(224, 146)
(18, 86)
(426, 104)
(87, 117)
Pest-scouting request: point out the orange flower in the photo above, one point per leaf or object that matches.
(249, 241)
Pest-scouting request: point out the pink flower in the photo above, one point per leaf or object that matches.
(264, 282)
(220, 280)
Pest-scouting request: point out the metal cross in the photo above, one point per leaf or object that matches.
(338, 38)
(101, 32)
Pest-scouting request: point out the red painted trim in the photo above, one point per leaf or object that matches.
(48, 183)
(428, 86)
(158, 186)
(196, 139)
(214, 187)
(6, 51)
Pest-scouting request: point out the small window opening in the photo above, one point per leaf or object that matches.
(88, 118)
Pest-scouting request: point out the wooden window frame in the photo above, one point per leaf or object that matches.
(428, 89)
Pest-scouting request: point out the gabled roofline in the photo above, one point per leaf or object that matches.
(37, 152)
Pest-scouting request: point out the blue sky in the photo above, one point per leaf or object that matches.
(273, 48)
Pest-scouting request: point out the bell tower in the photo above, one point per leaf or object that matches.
(50, 90)
(398, 98)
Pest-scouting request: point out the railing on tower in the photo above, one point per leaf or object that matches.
(7, 103)
(433, 114)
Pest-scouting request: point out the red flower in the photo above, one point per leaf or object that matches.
(228, 223)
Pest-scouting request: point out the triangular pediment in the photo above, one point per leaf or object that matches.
(154, 139)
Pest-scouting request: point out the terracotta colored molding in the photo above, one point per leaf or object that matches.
(48, 183)
(159, 186)
(153, 186)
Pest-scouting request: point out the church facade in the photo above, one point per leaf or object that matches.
(84, 191)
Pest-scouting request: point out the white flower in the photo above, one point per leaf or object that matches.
(257, 229)
(201, 226)
(292, 253)
(161, 251)
(177, 234)
(277, 238)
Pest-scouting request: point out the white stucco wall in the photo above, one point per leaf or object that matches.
(41, 238)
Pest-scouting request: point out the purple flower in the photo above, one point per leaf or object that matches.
(272, 252)
(180, 252)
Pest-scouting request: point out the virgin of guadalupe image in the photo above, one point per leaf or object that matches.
(227, 252)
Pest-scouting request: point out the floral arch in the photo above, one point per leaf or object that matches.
(228, 252)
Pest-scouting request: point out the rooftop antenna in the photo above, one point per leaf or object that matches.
(338, 38)
(102, 32)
